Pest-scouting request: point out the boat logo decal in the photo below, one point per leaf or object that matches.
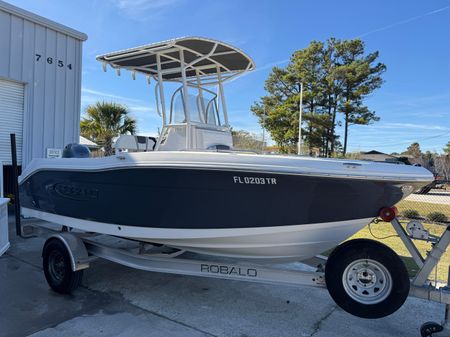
(76, 192)
(228, 270)
(254, 180)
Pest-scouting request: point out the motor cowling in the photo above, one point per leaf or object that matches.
(75, 150)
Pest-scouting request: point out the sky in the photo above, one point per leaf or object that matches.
(413, 38)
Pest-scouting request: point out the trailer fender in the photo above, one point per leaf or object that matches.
(75, 247)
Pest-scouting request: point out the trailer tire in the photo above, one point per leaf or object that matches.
(58, 267)
(366, 278)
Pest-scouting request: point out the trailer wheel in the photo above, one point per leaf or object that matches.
(366, 278)
(58, 269)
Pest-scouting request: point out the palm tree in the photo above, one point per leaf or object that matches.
(104, 121)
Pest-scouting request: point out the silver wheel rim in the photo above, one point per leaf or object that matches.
(367, 281)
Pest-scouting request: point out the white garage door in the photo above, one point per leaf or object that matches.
(11, 119)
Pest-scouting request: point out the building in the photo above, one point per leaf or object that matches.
(379, 156)
(96, 150)
(40, 85)
(89, 143)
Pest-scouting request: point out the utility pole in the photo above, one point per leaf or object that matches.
(263, 130)
(300, 108)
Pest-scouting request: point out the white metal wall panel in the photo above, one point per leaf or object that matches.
(11, 119)
(46, 58)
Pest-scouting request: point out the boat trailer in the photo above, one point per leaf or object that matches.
(83, 248)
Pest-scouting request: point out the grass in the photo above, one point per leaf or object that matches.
(383, 229)
(424, 208)
(386, 234)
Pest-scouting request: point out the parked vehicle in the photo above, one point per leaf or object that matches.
(437, 183)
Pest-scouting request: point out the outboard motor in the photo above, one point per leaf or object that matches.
(75, 150)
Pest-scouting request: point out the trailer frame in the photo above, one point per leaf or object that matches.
(84, 248)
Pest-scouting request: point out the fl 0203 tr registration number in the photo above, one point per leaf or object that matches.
(254, 180)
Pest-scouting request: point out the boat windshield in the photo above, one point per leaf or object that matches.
(202, 106)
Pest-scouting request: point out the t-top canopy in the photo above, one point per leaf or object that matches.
(205, 59)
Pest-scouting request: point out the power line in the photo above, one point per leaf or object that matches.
(405, 21)
(419, 139)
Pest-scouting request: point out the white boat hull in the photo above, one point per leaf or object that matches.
(279, 243)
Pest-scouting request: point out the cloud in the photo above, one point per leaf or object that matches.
(402, 22)
(395, 136)
(266, 66)
(423, 107)
(411, 126)
(144, 113)
(141, 108)
(272, 64)
(144, 10)
(108, 95)
(420, 101)
(237, 41)
(143, 4)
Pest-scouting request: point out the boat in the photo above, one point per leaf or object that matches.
(191, 191)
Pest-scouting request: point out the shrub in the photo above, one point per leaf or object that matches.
(437, 217)
(11, 199)
(410, 213)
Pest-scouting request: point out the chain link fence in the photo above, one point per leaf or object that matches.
(430, 206)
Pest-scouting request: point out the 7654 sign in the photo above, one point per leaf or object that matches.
(51, 60)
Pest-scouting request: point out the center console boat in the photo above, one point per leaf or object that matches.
(189, 190)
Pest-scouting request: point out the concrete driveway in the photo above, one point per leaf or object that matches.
(434, 197)
(119, 301)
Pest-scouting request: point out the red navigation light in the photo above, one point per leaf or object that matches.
(388, 213)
